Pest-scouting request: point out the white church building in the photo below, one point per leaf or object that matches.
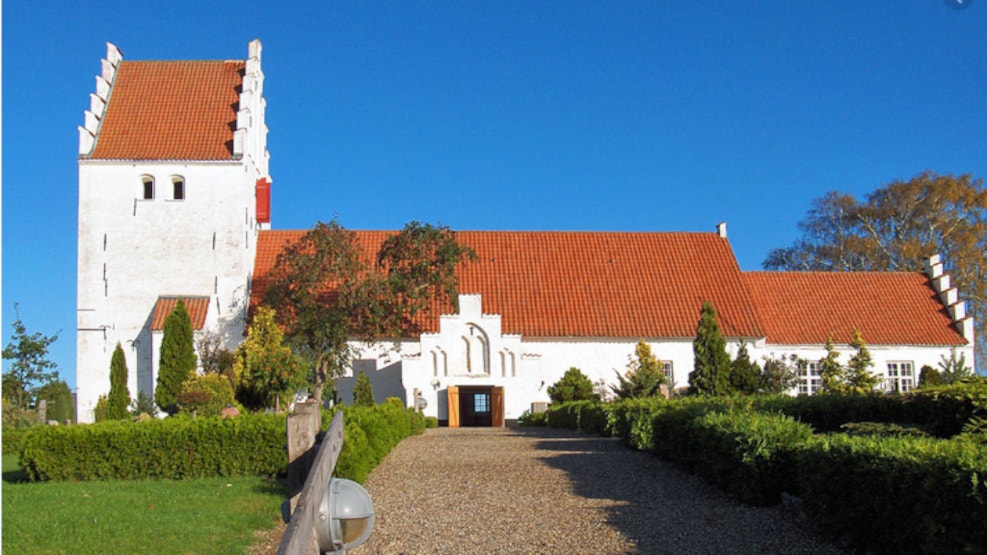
(174, 202)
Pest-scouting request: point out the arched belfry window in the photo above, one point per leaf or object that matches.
(178, 187)
(147, 187)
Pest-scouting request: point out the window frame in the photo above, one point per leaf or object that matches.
(900, 376)
(179, 190)
(147, 186)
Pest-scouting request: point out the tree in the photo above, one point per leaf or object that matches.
(644, 376)
(831, 371)
(859, 379)
(213, 356)
(929, 377)
(265, 369)
(325, 293)
(119, 397)
(711, 371)
(954, 369)
(60, 406)
(177, 358)
(206, 395)
(896, 228)
(745, 376)
(363, 392)
(573, 386)
(30, 368)
(780, 375)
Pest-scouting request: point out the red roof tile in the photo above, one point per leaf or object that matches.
(889, 308)
(585, 284)
(197, 308)
(171, 110)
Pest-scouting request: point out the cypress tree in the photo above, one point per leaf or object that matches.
(119, 398)
(177, 358)
(363, 392)
(744, 374)
(859, 378)
(711, 372)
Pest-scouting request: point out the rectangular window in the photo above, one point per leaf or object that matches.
(810, 379)
(481, 403)
(667, 369)
(179, 186)
(148, 189)
(901, 376)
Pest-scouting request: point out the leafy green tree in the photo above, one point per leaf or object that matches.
(325, 294)
(745, 375)
(177, 358)
(30, 368)
(779, 375)
(929, 377)
(834, 379)
(573, 386)
(711, 372)
(265, 369)
(363, 392)
(60, 407)
(896, 228)
(954, 369)
(859, 379)
(213, 357)
(644, 376)
(119, 397)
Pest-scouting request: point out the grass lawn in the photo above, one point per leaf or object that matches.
(209, 515)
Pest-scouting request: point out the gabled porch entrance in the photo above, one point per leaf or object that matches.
(476, 406)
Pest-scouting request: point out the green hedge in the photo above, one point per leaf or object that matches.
(897, 495)
(172, 448)
(12, 438)
(181, 447)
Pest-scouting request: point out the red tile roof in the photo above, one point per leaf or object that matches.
(585, 284)
(889, 308)
(197, 308)
(177, 110)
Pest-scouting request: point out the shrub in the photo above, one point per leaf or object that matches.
(171, 448)
(17, 417)
(363, 392)
(431, 422)
(119, 398)
(212, 393)
(897, 495)
(573, 386)
(101, 412)
(529, 418)
(370, 433)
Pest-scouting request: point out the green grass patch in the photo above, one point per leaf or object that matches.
(202, 516)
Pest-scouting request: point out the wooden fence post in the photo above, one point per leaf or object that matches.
(300, 537)
(303, 428)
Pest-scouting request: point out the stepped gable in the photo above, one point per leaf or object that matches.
(170, 110)
(889, 308)
(584, 284)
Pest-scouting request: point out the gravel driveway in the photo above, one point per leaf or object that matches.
(537, 490)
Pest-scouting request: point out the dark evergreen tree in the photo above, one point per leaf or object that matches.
(177, 358)
(363, 392)
(711, 373)
(745, 376)
(859, 378)
(574, 386)
(119, 397)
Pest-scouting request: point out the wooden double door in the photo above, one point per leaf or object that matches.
(476, 406)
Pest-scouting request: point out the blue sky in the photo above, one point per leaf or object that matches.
(548, 115)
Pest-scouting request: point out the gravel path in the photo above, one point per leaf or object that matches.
(536, 490)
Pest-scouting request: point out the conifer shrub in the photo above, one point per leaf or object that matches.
(118, 400)
(214, 392)
(363, 392)
(101, 412)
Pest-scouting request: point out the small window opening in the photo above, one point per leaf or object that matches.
(179, 188)
(148, 187)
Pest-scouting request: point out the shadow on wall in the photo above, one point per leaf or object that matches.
(386, 381)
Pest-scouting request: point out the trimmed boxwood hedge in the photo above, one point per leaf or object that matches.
(182, 447)
(897, 495)
(888, 494)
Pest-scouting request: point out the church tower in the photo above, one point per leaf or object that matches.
(173, 190)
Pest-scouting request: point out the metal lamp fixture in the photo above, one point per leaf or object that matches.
(346, 516)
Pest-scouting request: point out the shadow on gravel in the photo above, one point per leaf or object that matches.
(662, 509)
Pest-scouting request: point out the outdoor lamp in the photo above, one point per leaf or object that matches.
(346, 516)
